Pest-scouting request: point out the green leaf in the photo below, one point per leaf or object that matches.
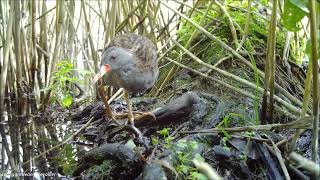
(292, 15)
(67, 100)
(193, 144)
(154, 141)
(164, 131)
(82, 138)
(183, 168)
(169, 138)
(199, 157)
(69, 151)
(198, 176)
(67, 169)
(301, 4)
(235, 115)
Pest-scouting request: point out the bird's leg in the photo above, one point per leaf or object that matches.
(109, 113)
(130, 114)
(129, 126)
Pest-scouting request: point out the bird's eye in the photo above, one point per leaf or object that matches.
(113, 56)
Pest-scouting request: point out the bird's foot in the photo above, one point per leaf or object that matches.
(113, 119)
(137, 115)
(129, 127)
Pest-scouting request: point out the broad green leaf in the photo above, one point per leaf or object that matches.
(301, 4)
(292, 15)
(67, 100)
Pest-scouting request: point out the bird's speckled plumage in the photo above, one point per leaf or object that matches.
(133, 60)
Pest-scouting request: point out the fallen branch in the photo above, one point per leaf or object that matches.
(302, 123)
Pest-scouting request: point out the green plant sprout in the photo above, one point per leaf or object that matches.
(67, 159)
(63, 78)
(183, 165)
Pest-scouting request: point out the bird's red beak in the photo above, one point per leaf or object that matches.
(103, 70)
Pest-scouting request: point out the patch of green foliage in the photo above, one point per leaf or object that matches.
(223, 124)
(183, 167)
(63, 78)
(67, 159)
(166, 138)
(99, 171)
(183, 164)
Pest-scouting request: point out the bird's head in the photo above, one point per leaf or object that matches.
(113, 59)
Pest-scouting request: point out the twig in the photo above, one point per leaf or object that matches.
(268, 127)
(43, 51)
(283, 141)
(252, 138)
(305, 163)
(234, 52)
(230, 23)
(297, 172)
(41, 16)
(241, 80)
(116, 95)
(281, 161)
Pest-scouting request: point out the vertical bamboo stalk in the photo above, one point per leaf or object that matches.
(88, 29)
(4, 68)
(142, 13)
(270, 68)
(315, 71)
(34, 40)
(60, 20)
(103, 20)
(17, 52)
(272, 57)
(112, 21)
(42, 59)
(306, 97)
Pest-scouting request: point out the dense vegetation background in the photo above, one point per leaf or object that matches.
(259, 58)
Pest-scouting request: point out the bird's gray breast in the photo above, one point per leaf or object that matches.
(136, 80)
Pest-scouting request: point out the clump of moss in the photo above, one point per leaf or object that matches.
(99, 171)
(212, 52)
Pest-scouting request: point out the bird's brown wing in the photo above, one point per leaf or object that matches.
(144, 50)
